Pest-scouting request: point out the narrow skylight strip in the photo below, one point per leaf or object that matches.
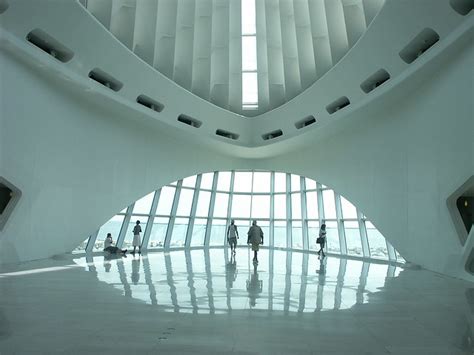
(249, 56)
(248, 17)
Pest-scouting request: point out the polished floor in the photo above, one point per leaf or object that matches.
(207, 302)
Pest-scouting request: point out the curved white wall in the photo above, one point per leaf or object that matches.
(79, 158)
(399, 162)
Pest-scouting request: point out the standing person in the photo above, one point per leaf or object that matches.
(232, 236)
(136, 238)
(322, 240)
(255, 237)
(108, 246)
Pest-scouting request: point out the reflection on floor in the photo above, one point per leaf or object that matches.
(205, 301)
(212, 281)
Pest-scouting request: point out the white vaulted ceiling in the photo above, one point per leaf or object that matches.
(198, 43)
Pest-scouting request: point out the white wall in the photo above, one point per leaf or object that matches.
(78, 163)
(400, 163)
(79, 160)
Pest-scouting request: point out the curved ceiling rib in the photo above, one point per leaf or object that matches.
(197, 43)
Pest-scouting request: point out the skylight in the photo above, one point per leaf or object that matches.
(249, 56)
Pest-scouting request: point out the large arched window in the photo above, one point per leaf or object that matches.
(194, 212)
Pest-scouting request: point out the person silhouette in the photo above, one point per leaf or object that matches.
(255, 238)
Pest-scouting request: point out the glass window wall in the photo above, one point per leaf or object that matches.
(251, 196)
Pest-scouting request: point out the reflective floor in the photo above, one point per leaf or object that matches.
(207, 302)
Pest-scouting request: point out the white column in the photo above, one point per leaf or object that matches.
(122, 21)
(319, 30)
(211, 210)
(290, 50)
(124, 228)
(304, 42)
(165, 37)
(289, 214)
(145, 30)
(151, 218)
(183, 51)
(340, 224)
(304, 214)
(201, 75)
(174, 208)
(355, 20)
(336, 29)
(219, 94)
(235, 56)
(363, 235)
(262, 55)
(192, 217)
(276, 76)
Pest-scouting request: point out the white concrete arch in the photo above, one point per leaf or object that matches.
(80, 153)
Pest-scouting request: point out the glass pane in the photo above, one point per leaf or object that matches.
(202, 209)
(313, 233)
(297, 235)
(312, 205)
(243, 227)
(310, 184)
(280, 207)
(248, 17)
(221, 204)
(124, 210)
(279, 234)
(143, 205)
(354, 246)
(243, 182)
(185, 202)
(329, 204)
(280, 182)
(128, 240)
(377, 244)
(249, 53)
(158, 232)
(249, 88)
(166, 200)
(113, 227)
(332, 237)
(190, 181)
(261, 182)
(178, 236)
(206, 181)
(348, 209)
(296, 205)
(240, 206)
(295, 183)
(260, 207)
(217, 232)
(199, 232)
(223, 181)
(265, 225)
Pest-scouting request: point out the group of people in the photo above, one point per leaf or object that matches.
(254, 238)
(109, 243)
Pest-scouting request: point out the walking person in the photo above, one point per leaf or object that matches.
(232, 236)
(322, 240)
(136, 238)
(255, 237)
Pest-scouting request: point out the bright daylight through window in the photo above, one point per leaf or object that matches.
(290, 209)
(249, 56)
